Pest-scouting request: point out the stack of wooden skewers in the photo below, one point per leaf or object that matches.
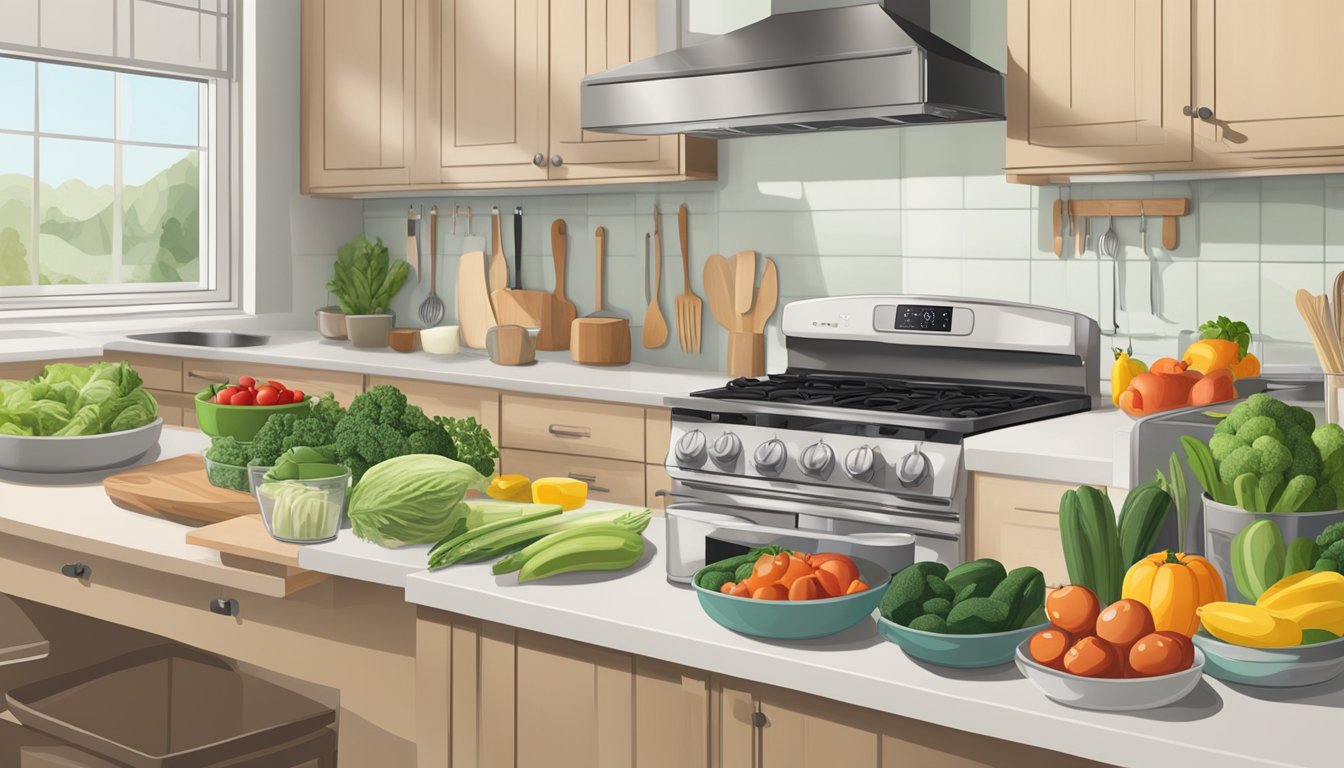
(1324, 316)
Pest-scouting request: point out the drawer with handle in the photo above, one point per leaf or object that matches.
(574, 427)
(156, 371)
(199, 374)
(620, 482)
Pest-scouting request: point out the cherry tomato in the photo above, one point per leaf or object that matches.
(284, 397)
(1073, 609)
(246, 382)
(298, 395)
(1124, 622)
(224, 397)
(244, 397)
(267, 396)
(277, 386)
(233, 388)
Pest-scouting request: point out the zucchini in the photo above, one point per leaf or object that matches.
(1258, 556)
(1141, 519)
(603, 547)
(1091, 543)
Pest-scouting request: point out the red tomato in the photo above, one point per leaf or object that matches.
(298, 395)
(284, 397)
(246, 382)
(223, 397)
(267, 396)
(277, 386)
(244, 397)
(232, 388)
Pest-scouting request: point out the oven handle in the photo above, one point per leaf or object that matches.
(904, 511)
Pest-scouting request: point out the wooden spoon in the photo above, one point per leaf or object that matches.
(655, 325)
(744, 281)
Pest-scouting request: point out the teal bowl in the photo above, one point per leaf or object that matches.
(958, 651)
(797, 619)
(1291, 667)
(241, 422)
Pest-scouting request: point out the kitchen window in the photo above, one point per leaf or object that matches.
(115, 167)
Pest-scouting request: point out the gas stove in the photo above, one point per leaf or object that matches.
(863, 431)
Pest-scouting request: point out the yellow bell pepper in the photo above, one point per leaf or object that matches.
(567, 492)
(1248, 368)
(510, 488)
(1209, 355)
(1123, 371)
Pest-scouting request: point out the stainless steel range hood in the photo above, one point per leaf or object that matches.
(859, 66)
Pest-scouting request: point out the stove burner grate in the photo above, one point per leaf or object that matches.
(887, 395)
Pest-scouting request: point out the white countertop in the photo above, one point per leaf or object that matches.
(73, 512)
(640, 612)
(1082, 448)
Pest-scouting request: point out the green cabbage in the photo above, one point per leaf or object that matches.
(412, 499)
(69, 400)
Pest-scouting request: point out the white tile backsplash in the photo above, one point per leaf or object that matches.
(922, 210)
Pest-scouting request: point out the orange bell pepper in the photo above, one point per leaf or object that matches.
(1209, 355)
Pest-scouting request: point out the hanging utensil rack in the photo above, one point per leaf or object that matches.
(1169, 209)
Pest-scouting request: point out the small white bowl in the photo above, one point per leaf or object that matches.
(1107, 694)
(440, 340)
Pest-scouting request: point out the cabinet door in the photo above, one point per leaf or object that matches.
(672, 706)
(1269, 81)
(358, 99)
(574, 695)
(1017, 522)
(801, 731)
(590, 36)
(1097, 84)
(486, 107)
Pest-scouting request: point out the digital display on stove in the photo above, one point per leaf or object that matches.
(916, 317)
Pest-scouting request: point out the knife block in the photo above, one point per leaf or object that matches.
(530, 309)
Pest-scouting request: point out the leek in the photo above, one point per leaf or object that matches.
(482, 512)
(496, 539)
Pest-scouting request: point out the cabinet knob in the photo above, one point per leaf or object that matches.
(224, 607)
(539, 160)
(76, 571)
(759, 720)
(1203, 113)
(557, 160)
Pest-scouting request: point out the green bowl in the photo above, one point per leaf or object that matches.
(959, 651)
(797, 619)
(241, 422)
(1291, 667)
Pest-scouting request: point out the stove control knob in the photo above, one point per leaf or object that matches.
(690, 448)
(771, 456)
(913, 469)
(859, 463)
(817, 459)
(726, 448)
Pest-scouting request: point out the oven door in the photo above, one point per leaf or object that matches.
(937, 536)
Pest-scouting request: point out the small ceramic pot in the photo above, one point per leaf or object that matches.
(404, 339)
(440, 340)
(331, 322)
(368, 330)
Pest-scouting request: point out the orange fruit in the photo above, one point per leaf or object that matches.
(1124, 622)
(806, 588)
(740, 590)
(798, 568)
(1093, 657)
(774, 591)
(1049, 646)
(836, 575)
(856, 586)
(1073, 609)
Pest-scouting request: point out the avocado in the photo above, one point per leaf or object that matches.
(977, 616)
(929, 623)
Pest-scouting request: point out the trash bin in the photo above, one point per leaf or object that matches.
(175, 707)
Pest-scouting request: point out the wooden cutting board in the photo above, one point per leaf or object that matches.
(243, 542)
(177, 489)
(475, 314)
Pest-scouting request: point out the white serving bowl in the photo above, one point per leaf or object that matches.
(1110, 694)
(80, 453)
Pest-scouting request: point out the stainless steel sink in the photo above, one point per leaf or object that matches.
(203, 338)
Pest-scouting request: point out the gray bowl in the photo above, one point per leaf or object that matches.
(1110, 694)
(77, 454)
(1290, 667)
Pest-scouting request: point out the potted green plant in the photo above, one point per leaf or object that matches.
(364, 284)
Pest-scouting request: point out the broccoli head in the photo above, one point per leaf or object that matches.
(1329, 439)
(226, 450)
(1237, 416)
(1333, 533)
(1306, 458)
(1257, 427)
(1274, 455)
(1222, 445)
(381, 425)
(1301, 417)
(1334, 552)
(269, 442)
(1261, 404)
(1224, 427)
(384, 404)
(1323, 500)
(360, 444)
(1242, 461)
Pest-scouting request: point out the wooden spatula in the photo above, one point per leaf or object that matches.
(499, 266)
(475, 315)
(744, 281)
(655, 326)
(746, 344)
(719, 290)
(688, 305)
(562, 310)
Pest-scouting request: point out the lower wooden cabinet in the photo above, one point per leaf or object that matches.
(177, 409)
(1017, 522)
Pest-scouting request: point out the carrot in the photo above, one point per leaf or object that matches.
(1217, 387)
(855, 587)
(728, 588)
(772, 592)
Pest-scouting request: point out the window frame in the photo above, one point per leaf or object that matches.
(220, 262)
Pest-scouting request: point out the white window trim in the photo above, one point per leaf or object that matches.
(220, 188)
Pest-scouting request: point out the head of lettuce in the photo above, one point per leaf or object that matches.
(69, 400)
(412, 499)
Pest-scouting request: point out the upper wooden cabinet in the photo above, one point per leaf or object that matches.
(1098, 83)
(487, 94)
(1148, 86)
(358, 81)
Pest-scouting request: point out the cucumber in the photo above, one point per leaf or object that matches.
(1257, 558)
(594, 548)
(1091, 542)
(1141, 520)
